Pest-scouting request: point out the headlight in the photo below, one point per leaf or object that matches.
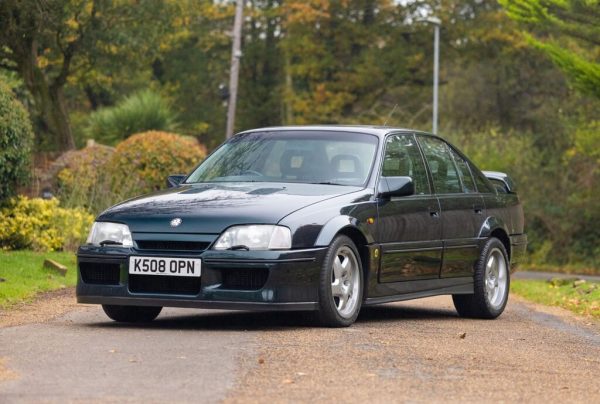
(107, 233)
(255, 237)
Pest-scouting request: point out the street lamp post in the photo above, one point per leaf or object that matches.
(436, 75)
(436, 67)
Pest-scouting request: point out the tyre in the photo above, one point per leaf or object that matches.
(340, 284)
(491, 284)
(131, 314)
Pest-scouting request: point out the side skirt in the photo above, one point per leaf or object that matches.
(418, 289)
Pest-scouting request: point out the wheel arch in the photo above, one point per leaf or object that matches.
(346, 224)
(349, 227)
(495, 227)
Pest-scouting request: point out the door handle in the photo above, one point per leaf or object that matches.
(477, 209)
(434, 214)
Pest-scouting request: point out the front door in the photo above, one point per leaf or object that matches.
(409, 227)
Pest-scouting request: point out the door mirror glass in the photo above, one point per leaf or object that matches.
(396, 186)
(174, 180)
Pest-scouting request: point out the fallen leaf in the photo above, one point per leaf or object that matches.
(463, 335)
(261, 361)
(287, 381)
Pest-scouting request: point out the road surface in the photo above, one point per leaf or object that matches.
(417, 351)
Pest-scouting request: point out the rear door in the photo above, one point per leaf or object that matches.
(462, 208)
(409, 228)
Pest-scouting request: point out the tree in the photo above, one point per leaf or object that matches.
(48, 41)
(574, 19)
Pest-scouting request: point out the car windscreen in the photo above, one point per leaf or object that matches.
(315, 157)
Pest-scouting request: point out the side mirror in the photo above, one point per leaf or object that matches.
(396, 186)
(174, 180)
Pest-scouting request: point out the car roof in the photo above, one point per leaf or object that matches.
(373, 130)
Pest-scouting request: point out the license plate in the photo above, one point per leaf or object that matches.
(164, 266)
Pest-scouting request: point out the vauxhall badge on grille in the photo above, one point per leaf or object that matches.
(175, 222)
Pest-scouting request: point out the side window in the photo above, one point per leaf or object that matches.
(483, 184)
(500, 186)
(444, 173)
(403, 158)
(464, 172)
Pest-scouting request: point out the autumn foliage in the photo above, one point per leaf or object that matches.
(146, 159)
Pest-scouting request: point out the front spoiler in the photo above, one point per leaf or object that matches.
(198, 304)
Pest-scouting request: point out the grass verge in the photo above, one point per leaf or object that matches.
(577, 296)
(23, 276)
(575, 269)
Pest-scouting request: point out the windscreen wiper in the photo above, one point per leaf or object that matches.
(239, 247)
(109, 242)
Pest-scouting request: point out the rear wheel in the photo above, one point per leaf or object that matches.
(491, 284)
(131, 314)
(341, 284)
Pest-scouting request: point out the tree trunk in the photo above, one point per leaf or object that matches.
(49, 105)
(58, 117)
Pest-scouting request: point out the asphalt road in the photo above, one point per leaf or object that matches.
(417, 351)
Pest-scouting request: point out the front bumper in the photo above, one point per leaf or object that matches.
(263, 280)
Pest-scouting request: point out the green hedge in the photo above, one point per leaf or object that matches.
(16, 138)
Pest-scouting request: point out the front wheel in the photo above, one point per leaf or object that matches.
(491, 284)
(340, 284)
(131, 314)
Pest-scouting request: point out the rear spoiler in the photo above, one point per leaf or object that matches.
(501, 181)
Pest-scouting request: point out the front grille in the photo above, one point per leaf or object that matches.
(172, 245)
(97, 273)
(244, 279)
(174, 285)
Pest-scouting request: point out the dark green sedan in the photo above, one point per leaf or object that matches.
(315, 218)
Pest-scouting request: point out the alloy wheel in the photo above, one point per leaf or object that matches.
(345, 281)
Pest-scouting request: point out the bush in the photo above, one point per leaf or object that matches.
(16, 138)
(143, 162)
(142, 111)
(558, 189)
(80, 178)
(42, 225)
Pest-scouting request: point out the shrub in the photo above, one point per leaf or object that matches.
(81, 180)
(142, 111)
(143, 162)
(15, 143)
(42, 225)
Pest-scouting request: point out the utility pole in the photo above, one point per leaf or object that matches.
(236, 54)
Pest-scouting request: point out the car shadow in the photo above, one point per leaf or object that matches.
(276, 321)
(395, 311)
